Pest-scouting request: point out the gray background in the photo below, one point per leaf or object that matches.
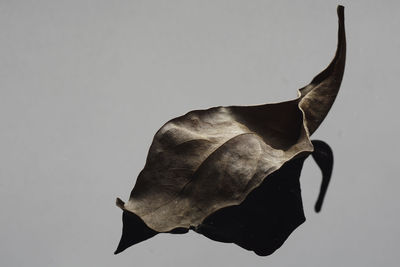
(84, 85)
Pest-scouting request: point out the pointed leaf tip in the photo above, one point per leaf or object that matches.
(134, 231)
(317, 98)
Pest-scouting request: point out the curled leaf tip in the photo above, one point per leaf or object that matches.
(340, 11)
(323, 156)
(317, 98)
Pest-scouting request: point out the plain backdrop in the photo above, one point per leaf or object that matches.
(84, 85)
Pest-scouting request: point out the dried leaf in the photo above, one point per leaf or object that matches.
(232, 173)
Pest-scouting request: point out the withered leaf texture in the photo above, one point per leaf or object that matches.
(232, 173)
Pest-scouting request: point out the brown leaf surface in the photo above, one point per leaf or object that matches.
(207, 160)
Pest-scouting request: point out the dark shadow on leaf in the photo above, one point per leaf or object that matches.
(263, 221)
(270, 213)
(266, 218)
